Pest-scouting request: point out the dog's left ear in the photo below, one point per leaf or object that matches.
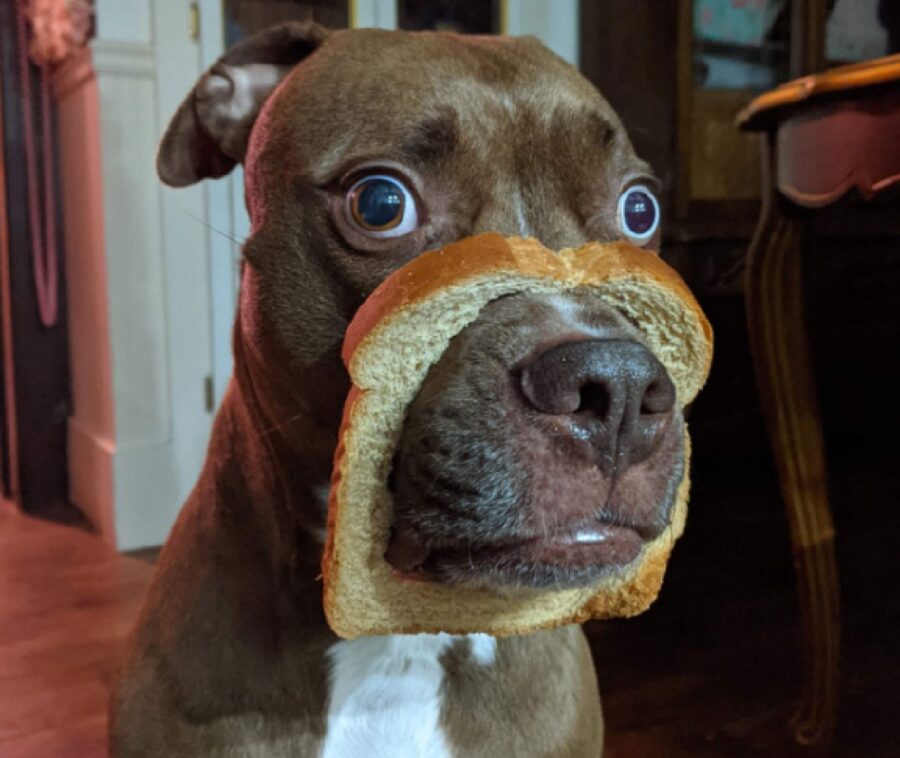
(208, 134)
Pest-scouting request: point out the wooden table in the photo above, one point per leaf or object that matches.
(825, 136)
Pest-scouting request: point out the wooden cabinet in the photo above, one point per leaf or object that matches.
(678, 86)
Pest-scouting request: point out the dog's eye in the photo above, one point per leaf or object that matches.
(638, 214)
(382, 206)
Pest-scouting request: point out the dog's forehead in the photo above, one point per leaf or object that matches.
(369, 89)
(433, 65)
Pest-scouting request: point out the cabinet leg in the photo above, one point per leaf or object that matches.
(787, 389)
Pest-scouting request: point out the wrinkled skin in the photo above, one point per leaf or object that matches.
(229, 654)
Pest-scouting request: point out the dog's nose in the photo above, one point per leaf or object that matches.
(615, 395)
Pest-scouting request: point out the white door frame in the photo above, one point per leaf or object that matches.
(138, 278)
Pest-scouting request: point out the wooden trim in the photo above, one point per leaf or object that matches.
(6, 333)
(684, 105)
(762, 111)
(808, 22)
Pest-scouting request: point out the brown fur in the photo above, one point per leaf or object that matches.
(228, 655)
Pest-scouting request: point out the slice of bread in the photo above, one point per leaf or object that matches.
(396, 336)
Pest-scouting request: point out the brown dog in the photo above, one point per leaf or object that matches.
(362, 149)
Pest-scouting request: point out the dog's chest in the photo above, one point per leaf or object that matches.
(386, 693)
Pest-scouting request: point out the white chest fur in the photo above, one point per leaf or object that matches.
(385, 699)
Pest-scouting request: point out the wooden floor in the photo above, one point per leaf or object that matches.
(66, 603)
(711, 670)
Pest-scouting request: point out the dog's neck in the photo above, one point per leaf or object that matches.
(290, 410)
(276, 457)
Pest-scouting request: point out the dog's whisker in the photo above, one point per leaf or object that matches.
(221, 232)
(278, 427)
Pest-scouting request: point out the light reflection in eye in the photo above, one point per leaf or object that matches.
(638, 214)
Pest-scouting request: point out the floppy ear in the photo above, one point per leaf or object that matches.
(208, 134)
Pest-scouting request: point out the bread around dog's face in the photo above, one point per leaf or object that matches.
(513, 454)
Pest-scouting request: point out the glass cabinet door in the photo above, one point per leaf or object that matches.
(737, 50)
(859, 30)
(740, 45)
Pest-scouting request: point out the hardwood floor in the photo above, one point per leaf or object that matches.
(66, 603)
(712, 669)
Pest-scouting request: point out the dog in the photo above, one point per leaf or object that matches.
(361, 150)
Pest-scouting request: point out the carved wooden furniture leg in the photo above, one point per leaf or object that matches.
(784, 376)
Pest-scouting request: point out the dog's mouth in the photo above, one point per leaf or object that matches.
(566, 557)
(551, 519)
(551, 522)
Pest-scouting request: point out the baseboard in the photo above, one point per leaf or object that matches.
(91, 477)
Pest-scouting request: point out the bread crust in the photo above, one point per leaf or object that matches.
(631, 591)
(592, 263)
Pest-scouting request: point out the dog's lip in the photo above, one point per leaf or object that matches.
(598, 544)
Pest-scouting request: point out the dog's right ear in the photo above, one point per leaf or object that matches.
(208, 134)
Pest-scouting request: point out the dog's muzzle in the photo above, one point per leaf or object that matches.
(543, 449)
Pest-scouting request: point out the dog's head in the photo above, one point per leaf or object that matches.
(546, 445)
